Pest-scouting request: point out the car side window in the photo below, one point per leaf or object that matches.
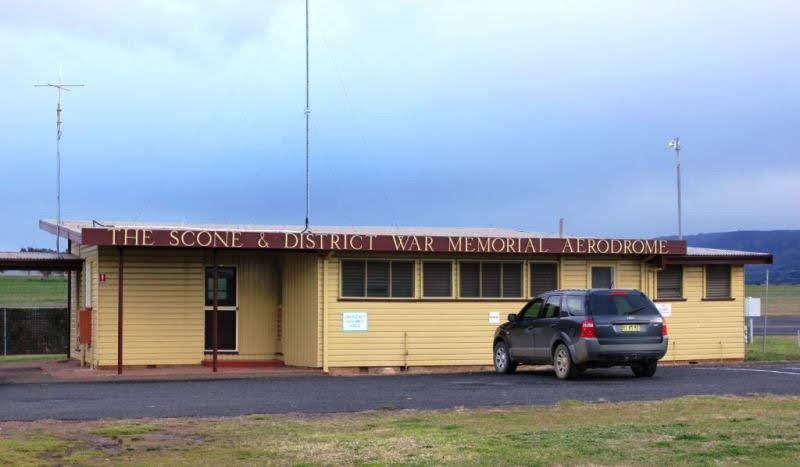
(575, 304)
(532, 309)
(552, 307)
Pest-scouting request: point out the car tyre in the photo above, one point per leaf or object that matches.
(562, 363)
(644, 369)
(502, 359)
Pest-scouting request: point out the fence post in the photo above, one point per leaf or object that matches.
(5, 332)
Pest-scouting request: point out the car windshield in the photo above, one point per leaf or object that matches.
(622, 303)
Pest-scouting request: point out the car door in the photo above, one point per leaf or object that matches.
(520, 332)
(545, 327)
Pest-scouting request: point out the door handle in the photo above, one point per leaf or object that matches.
(530, 328)
(554, 325)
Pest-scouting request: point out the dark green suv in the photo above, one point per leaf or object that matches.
(578, 329)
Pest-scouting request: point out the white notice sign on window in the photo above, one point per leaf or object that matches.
(664, 308)
(354, 321)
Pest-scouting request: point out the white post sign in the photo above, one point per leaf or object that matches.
(664, 308)
(494, 317)
(355, 321)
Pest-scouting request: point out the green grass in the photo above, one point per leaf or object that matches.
(779, 348)
(684, 431)
(122, 429)
(32, 358)
(784, 299)
(33, 290)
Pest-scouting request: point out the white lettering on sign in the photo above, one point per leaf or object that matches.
(664, 308)
(494, 317)
(355, 321)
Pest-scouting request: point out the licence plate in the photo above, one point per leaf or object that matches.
(631, 327)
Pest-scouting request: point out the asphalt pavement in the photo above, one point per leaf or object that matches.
(325, 394)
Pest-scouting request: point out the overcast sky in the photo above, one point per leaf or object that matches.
(459, 113)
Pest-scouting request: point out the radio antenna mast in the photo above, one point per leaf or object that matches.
(308, 116)
(60, 86)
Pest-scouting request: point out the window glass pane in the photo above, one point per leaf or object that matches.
(490, 279)
(377, 278)
(436, 279)
(670, 282)
(512, 280)
(575, 304)
(402, 279)
(226, 325)
(352, 278)
(602, 277)
(543, 278)
(718, 281)
(552, 307)
(621, 304)
(532, 310)
(226, 286)
(469, 277)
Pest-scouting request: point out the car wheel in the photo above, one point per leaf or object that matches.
(562, 363)
(644, 369)
(502, 359)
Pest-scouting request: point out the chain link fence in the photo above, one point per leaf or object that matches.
(25, 331)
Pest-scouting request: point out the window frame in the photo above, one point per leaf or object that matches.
(221, 308)
(706, 297)
(453, 284)
(681, 294)
(366, 297)
(531, 264)
(522, 295)
(611, 266)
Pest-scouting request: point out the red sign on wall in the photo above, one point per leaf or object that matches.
(102, 277)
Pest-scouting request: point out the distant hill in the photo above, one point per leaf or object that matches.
(783, 244)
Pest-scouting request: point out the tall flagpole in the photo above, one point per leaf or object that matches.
(676, 145)
(308, 116)
(60, 86)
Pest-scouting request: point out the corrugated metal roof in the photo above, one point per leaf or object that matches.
(76, 225)
(74, 229)
(696, 251)
(36, 256)
(35, 261)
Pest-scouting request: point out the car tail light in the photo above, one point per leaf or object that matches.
(619, 292)
(587, 328)
(663, 328)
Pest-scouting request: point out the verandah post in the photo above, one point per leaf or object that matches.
(215, 325)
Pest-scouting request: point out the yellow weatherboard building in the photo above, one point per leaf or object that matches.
(359, 298)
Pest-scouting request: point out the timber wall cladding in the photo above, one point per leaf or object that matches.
(707, 330)
(162, 306)
(302, 325)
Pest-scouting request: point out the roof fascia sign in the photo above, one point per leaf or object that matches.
(246, 239)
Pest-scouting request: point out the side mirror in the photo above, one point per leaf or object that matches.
(512, 317)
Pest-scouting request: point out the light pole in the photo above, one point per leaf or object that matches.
(675, 144)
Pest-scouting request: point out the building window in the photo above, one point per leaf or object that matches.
(226, 309)
(544, 278)
(669, 282)
(602, 277)
(718, 281)
(388, 279)
(437, 279)
(490, 279)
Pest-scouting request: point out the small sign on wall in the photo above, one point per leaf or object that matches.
(355, 321)
(664, 308)
(101, 277)
(494, 317)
